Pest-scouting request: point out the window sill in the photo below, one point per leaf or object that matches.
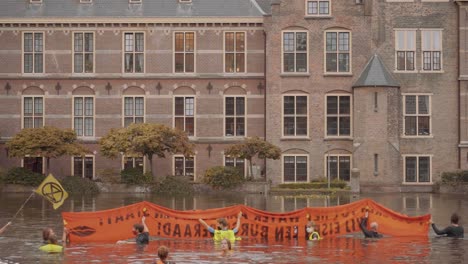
(338, 74)
(282, 75)
(442, 71)
(417, 183)
(416, 137)
(396, 71)
(294, 138)
(338, 138)
(318, 17)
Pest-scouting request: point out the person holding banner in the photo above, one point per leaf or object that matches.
(141, 233)
(453, 230)
(4, 227)
(311, 233)
(223, 229)
(50, 240)
(372, 233)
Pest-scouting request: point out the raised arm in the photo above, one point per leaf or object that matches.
(145, 227)
(238, 221)
(65, 237)
(4, 227)
(204, 223)
(363, 225)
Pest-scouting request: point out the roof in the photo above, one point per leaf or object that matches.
(17, 9)
(265, 5)
(375, 74)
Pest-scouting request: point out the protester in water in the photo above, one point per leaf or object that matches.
(311, 233)
(4, 227)
(51, 243)
(223, 229)
(163, 253)
(141, 233)
(453, 230)
(226, 247)
(372, 233)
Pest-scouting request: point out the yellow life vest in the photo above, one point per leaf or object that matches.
(51, 248)
(311, 236)
(222, 234)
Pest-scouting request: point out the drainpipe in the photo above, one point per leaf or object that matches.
(265, 93)
(459, 86)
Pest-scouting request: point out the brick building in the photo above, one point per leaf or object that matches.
(338, 85)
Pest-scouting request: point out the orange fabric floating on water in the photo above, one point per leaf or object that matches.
(116, 224)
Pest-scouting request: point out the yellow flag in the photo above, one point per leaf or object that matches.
(52, 190)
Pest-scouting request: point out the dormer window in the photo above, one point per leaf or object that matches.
(35, 1)
(134, 1)
(86, 1)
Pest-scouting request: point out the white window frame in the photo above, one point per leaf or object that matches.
(83, 52)
(83, 117)
(338, 115)
(245, 169)
(295, 167)
(83, 165)
(235, 115)
(43, 162)
(432, 49)
(326, 163)
(295, 95)
(185, 1)
(417, 156)
(86, 1)
(33, 116)
(338, 52)
(33, 52)
(184, 174)
(417, 115)
(133, 52)
(134, 116)
(35, 1)
(307, 14)
(174, 52)
(405, 49)
(133, 161)
(184, 115)
(417, 200)
(235, 52)
(134, 1)
(295, 52)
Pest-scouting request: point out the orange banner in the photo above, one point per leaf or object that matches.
(116, 224)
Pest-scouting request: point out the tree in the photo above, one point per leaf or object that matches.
(251, 147)
(145, 140)
(47, 142)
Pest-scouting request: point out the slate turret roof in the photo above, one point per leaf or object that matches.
(376, 74)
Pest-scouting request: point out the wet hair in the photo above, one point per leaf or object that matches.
(311, 224)
(374, 225)
(163, 252)
(46, 233)
(53, 239)
(454, 218)
(139, 227)
(228, 243)
(223, 222)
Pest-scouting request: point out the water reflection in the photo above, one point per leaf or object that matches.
(20, 243)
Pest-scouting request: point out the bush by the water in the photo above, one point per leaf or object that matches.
(339, 184)
(221, 177)
(22, 176)
(79, 185)
(108, 176)
(175, 185)
(455, 177)
(135, 176)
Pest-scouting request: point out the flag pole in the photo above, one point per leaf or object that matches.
(21, 208)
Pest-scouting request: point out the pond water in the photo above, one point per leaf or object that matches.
(20, 243)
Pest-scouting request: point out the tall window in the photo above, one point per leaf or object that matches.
(184, 53)
(134, 57)
(432, 50)
(295, 51)
(338, 167)
(338, 115)
(83, 167)
(417, 169)
(34, 164)
(417, 114)
(236, 163)
(234, 52)
(134, 110)
(295, 116)
(235, 116)
(33, 112)
(83, 116)
(405, 49)
(184, 112)
(318, 8)
(184, 167)
(83, 52)
(338, 48)
(133, 162)
(33, 52)
(295, 168)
